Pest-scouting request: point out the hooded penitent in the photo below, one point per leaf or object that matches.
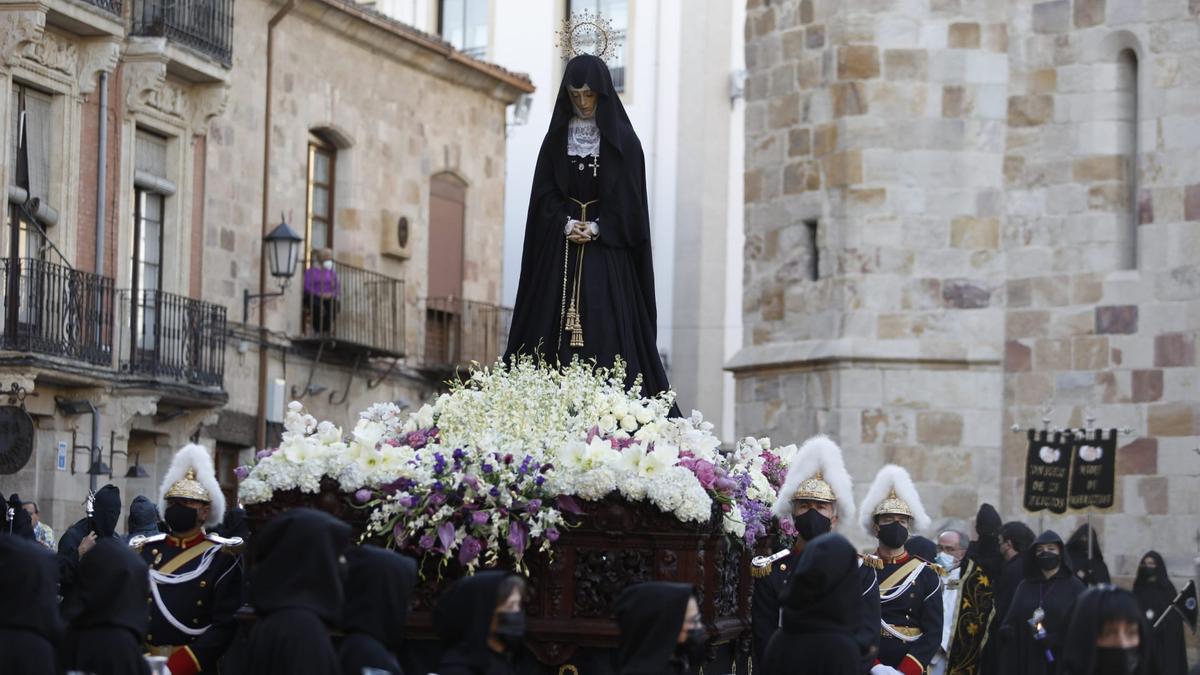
(1095, 608)
(1024, 645)
(821, 612)
(1155, 593)
(20, 523)
(1090, 570)
(29, 619)
(191, 476)
(106, 512)
(108, 618)
(296, 589)
(893, 492)
(817, 473)
(143, 518)
(463, 621)
(650, 617)
(618, 314)
(379, 583)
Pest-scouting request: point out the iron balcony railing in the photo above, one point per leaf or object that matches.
(172, 337)
(459, 332)
(54, 310)
(203, 25)
(354, 307)
(110, 6)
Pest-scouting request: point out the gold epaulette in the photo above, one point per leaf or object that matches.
(138, 541)
(872, 561)
(761, 572)
(941, 571)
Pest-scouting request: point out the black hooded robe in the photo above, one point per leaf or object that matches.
(650, 617)
(379, 583)
(1094, 608)
(821, 613)
(106, 513)
(143, 518)
(29, 620)
(618, 312)
(1155, 593)
(1091, 571)
(463, 622)
(296, 589)
(109, 618)
(1019, 651)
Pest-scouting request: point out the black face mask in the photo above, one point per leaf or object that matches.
(693, 650)
(181, 518)
(1147, 575)
(1048, 560)
(812, 524)
(510, 629)
(1116, 661)
(893, 535)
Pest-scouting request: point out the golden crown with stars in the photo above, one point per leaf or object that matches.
(588, 32)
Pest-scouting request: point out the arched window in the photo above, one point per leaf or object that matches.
(1127, 130)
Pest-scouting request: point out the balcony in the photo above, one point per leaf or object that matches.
(53, 310)
(170, 338)
(205, 26)
(353, 310)
(459, 332)
(110, 6)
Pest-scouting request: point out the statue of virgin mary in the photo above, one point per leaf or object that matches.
(587, 276)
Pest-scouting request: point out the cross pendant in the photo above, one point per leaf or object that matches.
(595, 166)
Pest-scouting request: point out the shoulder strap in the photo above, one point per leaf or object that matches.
(186, 557)
(899, 575)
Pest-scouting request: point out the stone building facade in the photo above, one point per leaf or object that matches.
(961, 214)
(134, 160)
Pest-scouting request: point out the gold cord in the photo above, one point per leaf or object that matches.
(572, 320)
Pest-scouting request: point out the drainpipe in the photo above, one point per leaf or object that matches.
(262, 256)
(101, 171)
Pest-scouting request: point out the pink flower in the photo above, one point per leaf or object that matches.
(705, 472)
(241, 472)
(362, 496)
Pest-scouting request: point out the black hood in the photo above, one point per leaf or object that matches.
(379, 583)
(1032, 571)
(650, 616)
(143, 517)
(21, 524)
(463, 618)
(823, 593)
(106, 512)
(297, 564)
(1077, 545)
(1094, 608)
(1161, 583)
(610, 115)
(111, 589)
(234, 524)
(920, 547)
(29, 588)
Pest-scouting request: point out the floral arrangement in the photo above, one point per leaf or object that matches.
(494, 465)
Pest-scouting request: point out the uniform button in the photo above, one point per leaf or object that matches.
(199, 603)
(195, 620)
(149, 638)
(203, 584)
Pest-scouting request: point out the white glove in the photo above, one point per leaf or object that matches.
(884, 670)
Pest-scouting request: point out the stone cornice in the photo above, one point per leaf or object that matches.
(810, 353)
(415, 48)
(21, 24)
(149, 90)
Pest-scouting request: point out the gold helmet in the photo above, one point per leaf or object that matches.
(893, 505)
(192, 476)
(893, 492)
(188, 488)
(817, 473)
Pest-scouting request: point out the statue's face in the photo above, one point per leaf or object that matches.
(584, 101)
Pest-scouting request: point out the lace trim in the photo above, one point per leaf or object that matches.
(583, 138)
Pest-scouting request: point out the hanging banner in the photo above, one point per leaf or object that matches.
(1047, 472)
(1093, 471)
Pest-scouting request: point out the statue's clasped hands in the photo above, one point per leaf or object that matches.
(582, 231)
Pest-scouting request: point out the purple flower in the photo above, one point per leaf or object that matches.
(533, 505)
(539, 481)
(552, 535)
(398, 532)
(471, 482)
(724, 485)
(437, 486)
(487, 468)
(508, 458)
(480, 517)
(426, 542)
(362, 496)
(495, 492)
(446, 535)
(459, 454)
(516, 538)
(567, 503)
(469, 550)
(408, 501)
(437, 499)
(263, 454)
(241, 472)
(705, 473)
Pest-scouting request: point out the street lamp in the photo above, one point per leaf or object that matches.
(282, 248)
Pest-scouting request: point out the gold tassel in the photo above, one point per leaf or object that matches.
(761, 572)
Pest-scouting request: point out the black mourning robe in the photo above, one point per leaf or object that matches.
(1019, 651)
(108, 617)
(821, 612)
(1155, 593)
(296, 589)
(463, 622)
(619, 314)
(30, 624)
(1011, 574)
(975, 614)
(1091, 571)
(379, 584)
(650, 617)
(1094, 608)
(106, 513)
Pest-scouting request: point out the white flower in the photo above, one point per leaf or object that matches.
(659, 460)
(629, 423)
(643, 414)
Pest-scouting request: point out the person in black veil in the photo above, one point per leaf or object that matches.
(821, 612)
(1016, 544)
(661, 633)
(481, 624)
(379, 583)
(1091, 570)
(1108, 636)
(30, 625)
(108, 613)
(1031, 636)
(296, 590)
(1155, 593)
(587, 275)
(103, 515)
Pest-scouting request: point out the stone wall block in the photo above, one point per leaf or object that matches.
(1030, 111)
(849, 99)
(1191, 203)
(1138, 457)
(857, 62)
(1052, 354)
(1052, 17)
(1017, 357)
(1147, 386)
(905, 64)
(966, 294)
(1026, 324)
(1089, 353)
(844, 168)
(1171, 419)
(1099, 168)
(1175, 350)
(799, 142)
(963, 36)
(975, 233)
(1089, 13)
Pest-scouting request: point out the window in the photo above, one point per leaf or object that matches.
(616, 11)
(814, 251)
(28, 169)
(1127, 126)
(151, 190)
(322, 161)
(464, 24)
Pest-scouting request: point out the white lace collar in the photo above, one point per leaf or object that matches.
(583, 138)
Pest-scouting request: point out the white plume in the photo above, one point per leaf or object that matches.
(889, 478)
(195, 457)
(818, 453)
